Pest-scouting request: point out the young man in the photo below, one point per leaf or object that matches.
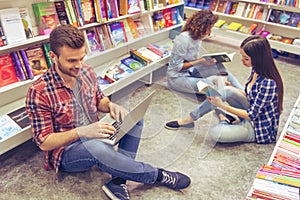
(63, 105)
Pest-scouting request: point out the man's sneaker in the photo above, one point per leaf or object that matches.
(116, 192)
(174, 180)
(173, 125)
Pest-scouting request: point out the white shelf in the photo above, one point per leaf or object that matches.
(278, 29)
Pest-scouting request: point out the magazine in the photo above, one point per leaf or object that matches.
(220, 57)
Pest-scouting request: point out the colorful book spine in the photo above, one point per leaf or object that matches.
(26, 64)
(18, 67)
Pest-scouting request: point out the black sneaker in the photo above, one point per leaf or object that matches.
(173, 125)
(174, 180)
(116, 192)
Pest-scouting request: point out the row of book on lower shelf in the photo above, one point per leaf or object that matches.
(255, 29)
(281, 178)
(24, 64)
(136, 59)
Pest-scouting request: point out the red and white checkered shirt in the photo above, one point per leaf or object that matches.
(52, 108)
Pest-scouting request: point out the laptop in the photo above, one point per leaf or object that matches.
(133, 117)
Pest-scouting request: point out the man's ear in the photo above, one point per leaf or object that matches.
(52, 56)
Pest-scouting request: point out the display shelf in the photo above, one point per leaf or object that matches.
(277, 29)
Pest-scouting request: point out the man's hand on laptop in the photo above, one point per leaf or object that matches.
(96, 130)
(117, 112)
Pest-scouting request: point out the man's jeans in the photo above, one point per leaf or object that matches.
(85, 153)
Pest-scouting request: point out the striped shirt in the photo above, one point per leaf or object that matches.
(263, 110)
(52, 107)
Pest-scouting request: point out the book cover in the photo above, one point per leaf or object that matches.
(212, 4)
(88, 11)
(61, 12)
(46, 17)
(234, 26)
(219, 23)
(117, 72)
(25, 17)
(71, 11)
(128, 32)
(221, 6)
(132, 27)
(26, 64)
(92, 40)
(295, 20)
(12, 25)
(140, 27)
(158, 50)
(220, 57)
(133, 6)
(18, 67)
(123, 7)
(102, 83)
(148, 54)
(139, 57)
(240, 9)
(20, 117)
(22, 64)
(159, 20)
(117, 33)
(199, 4)
(7, 70)
(176, 18)
(279, 17)
(168, 17)
(36, 59)
(8, 127)
(131, 63)
(207, 89)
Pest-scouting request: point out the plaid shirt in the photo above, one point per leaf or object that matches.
(263, 110)
(52, 108)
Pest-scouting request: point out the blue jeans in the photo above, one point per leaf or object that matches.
(85, 153)
(241, 132)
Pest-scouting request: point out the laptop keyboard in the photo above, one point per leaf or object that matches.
(117, 127)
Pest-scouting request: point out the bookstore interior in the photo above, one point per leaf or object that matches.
(127, 42)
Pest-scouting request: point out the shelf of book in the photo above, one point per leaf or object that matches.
(280, 177)
(285, 32)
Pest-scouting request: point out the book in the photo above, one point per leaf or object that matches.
(148, 54)
(212, 4)
(221, 6)
(159, 20)
(102, 83)
(18, 67)
(158, 50)
(132, 27)
(295, 20)
(46, 17)
(117, 72)
(7, 70)
(132, 63)
(117, 33)
(61, 12)
(36, 59)
(240, 9)
(20, 117)
(219, 23)
(92, 41)
(133, 7)
(26, 64)
(25, 17)
(46, 49)
(72, 14)
(88, 11)
(139, 57)
(206, 89)
(220, 57)
(168, 17)
(234, 26)
(8, 127)
(140, 27)
(12, 25)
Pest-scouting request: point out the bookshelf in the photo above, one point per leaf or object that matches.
(274, 28)
(13, 95)
(292, 156)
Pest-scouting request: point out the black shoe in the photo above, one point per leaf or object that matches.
(174, 180)
(173, 125)
(116, 192)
